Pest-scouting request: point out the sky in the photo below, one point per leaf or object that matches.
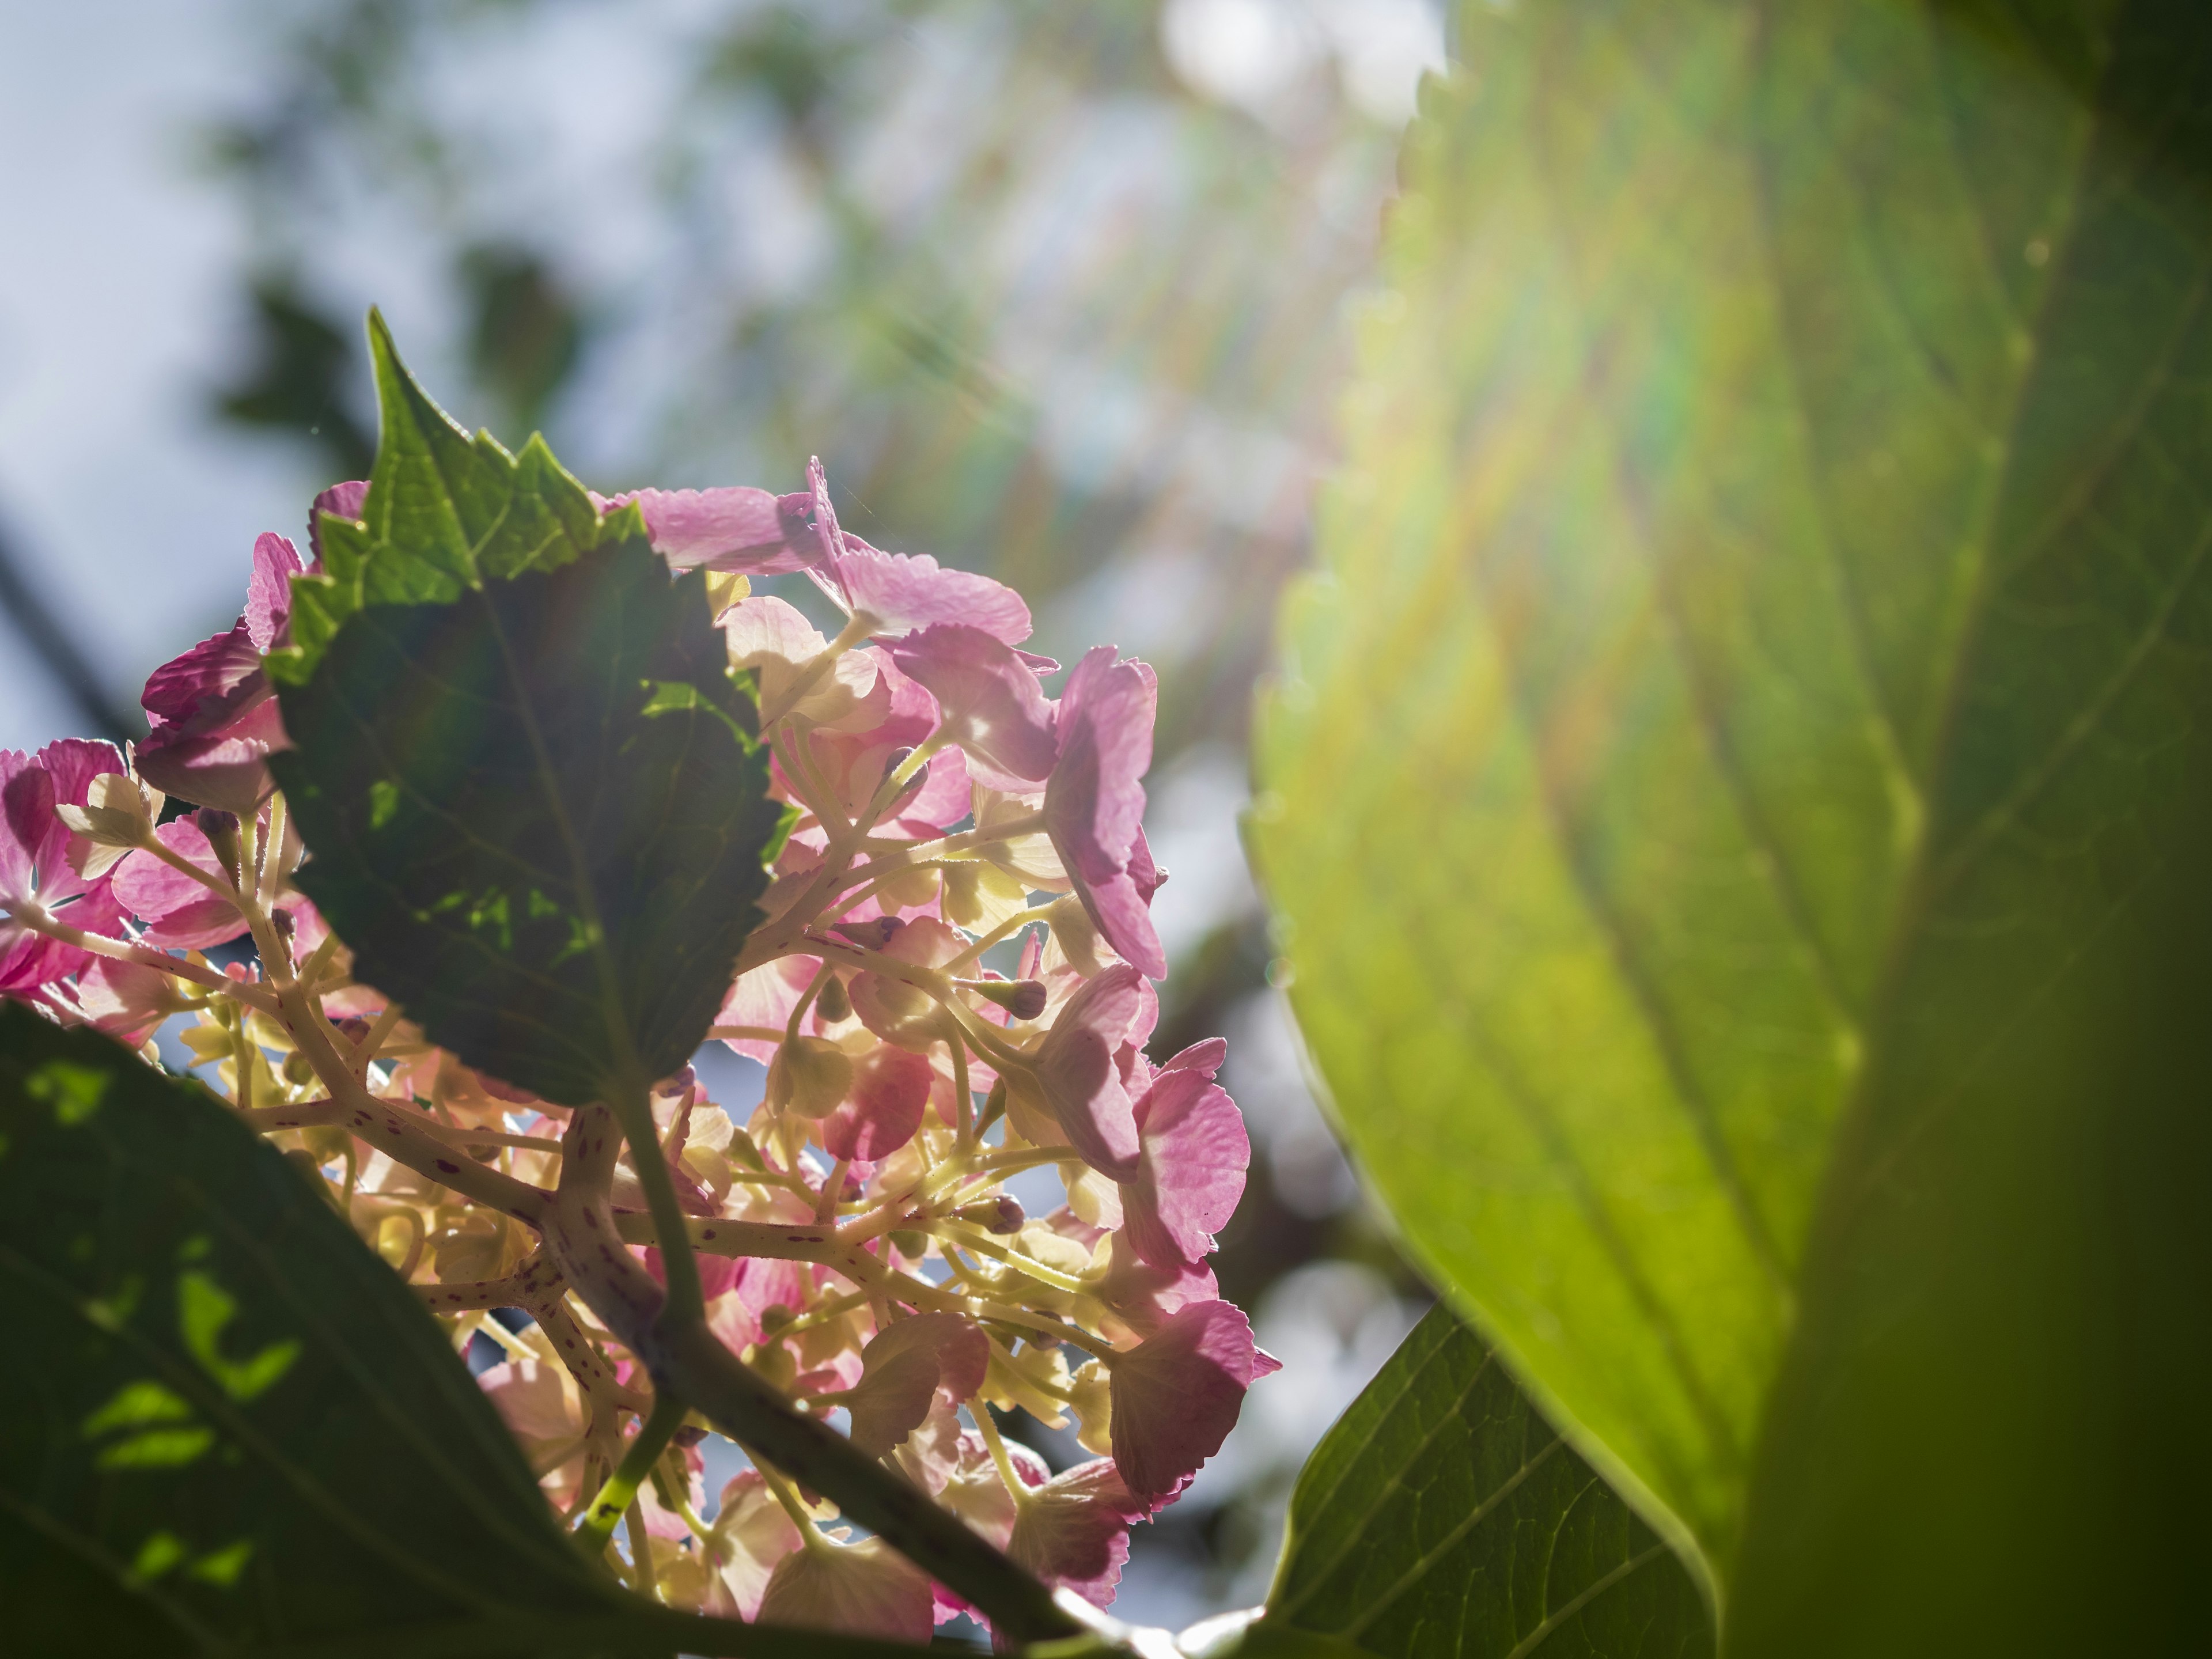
(133, 512)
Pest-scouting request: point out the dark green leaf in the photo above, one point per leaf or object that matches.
(227, 1427)
(1443, 1518)
(533, 804)
(1736, 805)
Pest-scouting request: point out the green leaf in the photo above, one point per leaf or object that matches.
(1443, 1518)
(225, 1426)
(445, 513)
(1732, 799)
(534, 804)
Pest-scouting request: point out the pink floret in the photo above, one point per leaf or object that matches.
(213, 712)
(34, 859)
(1073, 1531)
(1176, 1395)
(1191, 1172)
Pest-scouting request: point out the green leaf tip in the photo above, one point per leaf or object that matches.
(445, 513)
(1737, 796)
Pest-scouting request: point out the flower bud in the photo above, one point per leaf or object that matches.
(220, 828)
(810, 1077)
(1023, 999)
(775, 1365)
(911, 1245)
(1003, 1214)
(832, 1003)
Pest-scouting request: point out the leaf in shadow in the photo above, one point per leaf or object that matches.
(227, 1427)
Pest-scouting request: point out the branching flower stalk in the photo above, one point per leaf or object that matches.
(950, 984)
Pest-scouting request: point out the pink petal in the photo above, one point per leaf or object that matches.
(893, 1009)
(125, 999)
(913, 711)
(1192, 1171)
(1094, 805)
(1144, 876)
(732, 528)
(899, 593)
(943, 799)
(1078, 1068)
(761, 1284)
(340, 501)
(863, 1590)
(222, 763)
(1176, 1395)
(764, 997)
(752, 1534)
(890, 1088)
(990, 700)
(208, 685)
(268, 589)
(1073, 1531)
(904, 1369)
(179, 914)
(1144, 1297)
(718, 1274)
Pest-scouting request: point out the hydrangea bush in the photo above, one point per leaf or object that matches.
(517, 793)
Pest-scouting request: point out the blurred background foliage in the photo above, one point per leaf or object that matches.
(1060, 291)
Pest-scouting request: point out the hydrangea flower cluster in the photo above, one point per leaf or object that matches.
(859, 1248)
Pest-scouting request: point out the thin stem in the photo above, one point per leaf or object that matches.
(169, 855)
(373, 1039)
(646, 1580)
(897, 778)
(35, 918)
(825, 1206)
(1054, 1328)
(907, 854)
(621, 1488)
(988, 1428)
(974, 1238)
(807, 677)
(633, 1108)
(794, 1507)
(1010, 925)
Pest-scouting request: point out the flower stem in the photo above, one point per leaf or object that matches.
(621, 1489)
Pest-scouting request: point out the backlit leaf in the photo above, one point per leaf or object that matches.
(1734, 800)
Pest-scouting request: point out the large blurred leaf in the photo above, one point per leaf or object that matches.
(227, 1427)
(534, 805)
(1443, 1518)
(1734, 802)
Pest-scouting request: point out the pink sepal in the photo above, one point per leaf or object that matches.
(1094, 805)
(1176, 1395)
